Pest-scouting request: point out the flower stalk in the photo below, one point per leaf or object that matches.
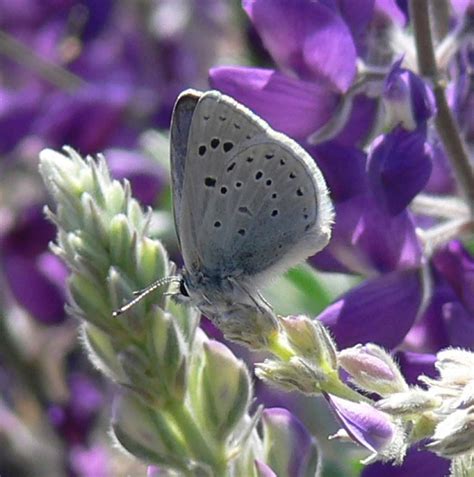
(444, 121)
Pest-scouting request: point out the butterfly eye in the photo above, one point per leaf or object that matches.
(182, 289)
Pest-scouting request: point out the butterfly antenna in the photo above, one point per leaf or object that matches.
(140, 294)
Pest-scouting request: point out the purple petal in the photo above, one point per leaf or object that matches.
(86, 398)
(456, 265)
(429, 335)
(459, 325)
(31, 233)
(287, 433)
(442, 179)
(294, 107)
(75, 418)
(357, 16)
(35, 276)
(381, 310)
(360, 122)
(343, 168)
(89, 462)
(365, 239)
(407, 98)
(399, 166)
(460, 6)
(293, 33)
(153, 471)
(413, 365)
(263, 470)
(17, 112)
(34, 290)
(416, 462)
(368, 426)
(389, 10)
(147, 178)
(86, 120)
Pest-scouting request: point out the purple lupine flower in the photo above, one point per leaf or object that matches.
(416, 462)
(441, 180)
(17, 113)
(367, 426)
(147, 178)
(391, 11)
(413, 365)
(292, 33)
(263, 470)
(89, 461)
(428, 334)
(381, 310)
(455, 265)
(290, 105)
(449, 317)
(88, 119)
(35, 276)
(74, 419)
(399, 166)
(408, 101)
(290, 450)
(126, 76)
(366, 240)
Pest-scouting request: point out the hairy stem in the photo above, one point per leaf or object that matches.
(444, 121)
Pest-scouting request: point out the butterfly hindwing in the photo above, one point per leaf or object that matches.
(251, 198)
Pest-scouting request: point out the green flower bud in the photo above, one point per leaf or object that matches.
(223, 391)
(372, 369)
(147, 435)
(117, 197)
(288, 447)
(311, 340)
(102, 352)
(413, 402)
(122, 243)
(141, 379)
(94, 221)
(152, 263)
(168, 351)
(89, 301)
(295, 374)
(249, 325)
(454, 435)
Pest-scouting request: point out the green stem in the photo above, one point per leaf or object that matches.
(51, 72)
(445, 123)
(279, 347)
(440, 14)
(337, 388)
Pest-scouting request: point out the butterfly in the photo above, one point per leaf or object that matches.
(248, 201)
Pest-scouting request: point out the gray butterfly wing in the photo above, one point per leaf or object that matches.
(179, 134)
(252, 200)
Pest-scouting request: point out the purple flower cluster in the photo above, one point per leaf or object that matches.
(341, 78)
(343, 86)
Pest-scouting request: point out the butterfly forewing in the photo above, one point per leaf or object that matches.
(251, 198)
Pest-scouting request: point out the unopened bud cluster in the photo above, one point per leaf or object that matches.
(365, 388)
